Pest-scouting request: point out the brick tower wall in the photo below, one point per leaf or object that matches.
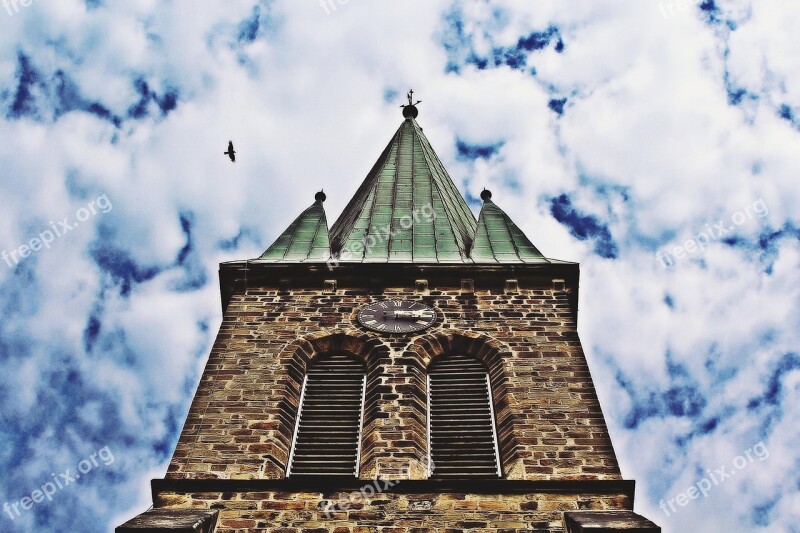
(550, 425)
(549, 422)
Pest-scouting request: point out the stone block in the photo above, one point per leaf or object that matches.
(167, 520)
(608, 522)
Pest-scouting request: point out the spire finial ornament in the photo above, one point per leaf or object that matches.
(320, 196)
(486, 194)
(410, 110)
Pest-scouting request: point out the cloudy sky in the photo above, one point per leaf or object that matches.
(655, 142)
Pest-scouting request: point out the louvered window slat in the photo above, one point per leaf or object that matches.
(328, 429)
(462, 439)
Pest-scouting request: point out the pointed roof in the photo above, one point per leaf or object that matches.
(499, 240)
(305, 240)
(407, 209)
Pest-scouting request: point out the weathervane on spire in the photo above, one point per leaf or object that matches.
(410, 110)
(410, 97)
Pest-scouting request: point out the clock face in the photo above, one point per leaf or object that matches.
(397, 316)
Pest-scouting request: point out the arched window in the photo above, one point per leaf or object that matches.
(461, 427)
(327, 435)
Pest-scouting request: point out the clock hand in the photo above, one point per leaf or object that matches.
(409, 314)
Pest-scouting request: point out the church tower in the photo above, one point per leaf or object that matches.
(412, 368)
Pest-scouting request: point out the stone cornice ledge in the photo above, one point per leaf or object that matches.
(625, 487)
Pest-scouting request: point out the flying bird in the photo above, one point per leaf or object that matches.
(231, 152)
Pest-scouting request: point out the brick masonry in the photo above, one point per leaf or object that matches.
(341, 512)
(550, 425)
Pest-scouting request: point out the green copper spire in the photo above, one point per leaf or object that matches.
(499, 240)
(306, 239)
(407, 209)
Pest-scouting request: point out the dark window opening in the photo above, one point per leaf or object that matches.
(327, 433)
(463, 442)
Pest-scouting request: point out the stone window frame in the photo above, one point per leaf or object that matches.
(362, 374)
(492, 353)
(300, 354)
(492, 416)
(417, 355)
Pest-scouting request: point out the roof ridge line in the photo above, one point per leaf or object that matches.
(340, 221)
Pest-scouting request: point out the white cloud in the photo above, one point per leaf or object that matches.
(648, 146)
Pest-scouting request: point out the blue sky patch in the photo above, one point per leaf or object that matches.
(235, 242)
(709, 425)
(467, 151)
(709, 7)
(91, 331)
(43, 98)
(584, 227)
(557, 105)
(461, 51)
(712, 15)
(454, 40)
(786, 112)
(120, 268)
(736, 95)
(774, 385)
(682, 401)
(194, 273)
(516, 57)
(539, 40)
(166, 102)
(248, 29)
(390, 96)
(27, 78)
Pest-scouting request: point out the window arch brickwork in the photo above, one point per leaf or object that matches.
(327, 434)
(548, 418)
(299, 355)
(462, 439)
(428, 348)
